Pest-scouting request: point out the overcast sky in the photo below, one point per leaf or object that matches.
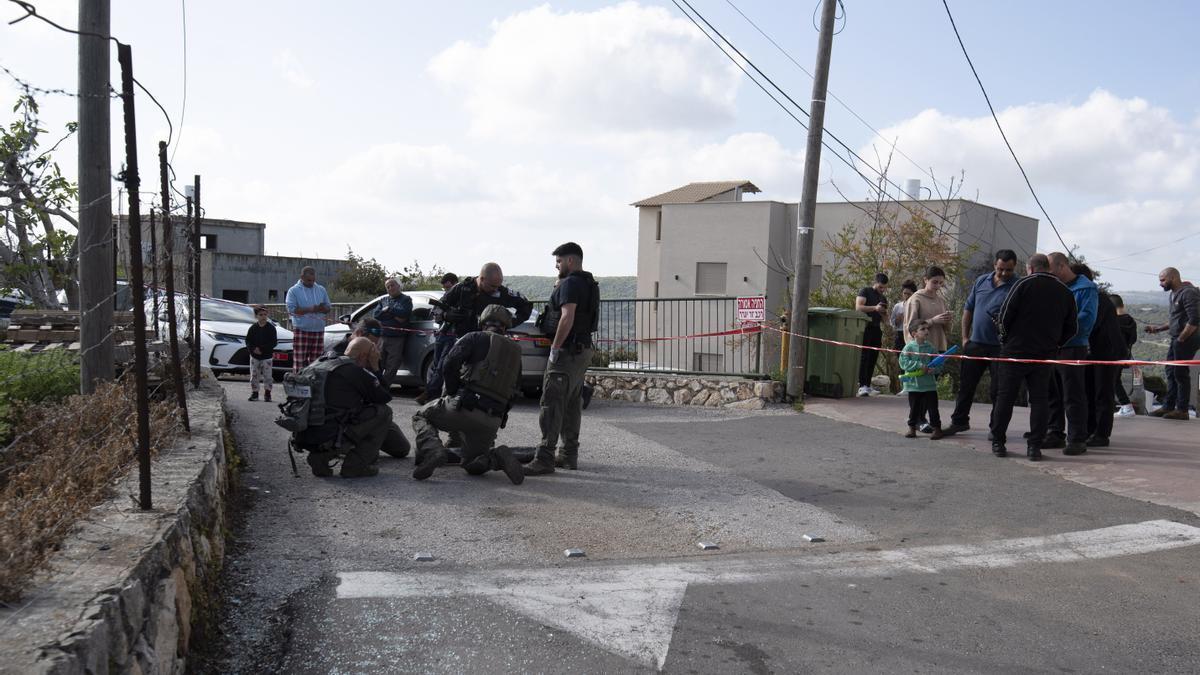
(458, 132)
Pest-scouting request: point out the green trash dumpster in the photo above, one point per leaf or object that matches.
(832, 370)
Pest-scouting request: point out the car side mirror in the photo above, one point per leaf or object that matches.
(345, 318)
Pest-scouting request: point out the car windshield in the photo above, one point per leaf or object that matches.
(225, 311)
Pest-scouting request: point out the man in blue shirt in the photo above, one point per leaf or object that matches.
(394, 314)
(1068, 387)
(980, 337)
(307, 305)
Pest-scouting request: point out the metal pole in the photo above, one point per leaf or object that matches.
(196, 279)
(95, 200)
(172, 329)
(190, 281)
(136, 282)
(154, 269)
(806, 228)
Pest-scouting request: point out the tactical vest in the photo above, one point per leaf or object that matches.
(497, 374)
(587, 313)
(305, 406)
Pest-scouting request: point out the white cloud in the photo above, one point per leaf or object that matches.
(1106, 146)
(288, 65)
(624, 68)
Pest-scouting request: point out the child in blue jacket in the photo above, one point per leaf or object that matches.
(922, 388)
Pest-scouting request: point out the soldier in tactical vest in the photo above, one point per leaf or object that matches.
(571, 318)
(481, 375)
(354, 400)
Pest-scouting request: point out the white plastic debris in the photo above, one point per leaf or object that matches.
(574, 553)
(423, 557)
(814, 538)
(707, 546)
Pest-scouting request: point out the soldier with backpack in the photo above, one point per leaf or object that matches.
(340, 406)
(481, 374)
(572, 315)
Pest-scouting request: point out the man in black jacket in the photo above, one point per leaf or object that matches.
(1037, 318)
(1105, 344)
(464, 302)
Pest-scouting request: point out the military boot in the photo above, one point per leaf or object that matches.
(508, 464)
(567, 460)
(429, 464)
(319, 461)
(538, 467)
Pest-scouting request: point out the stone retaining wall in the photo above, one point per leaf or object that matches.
(129, 591)
(712, 392)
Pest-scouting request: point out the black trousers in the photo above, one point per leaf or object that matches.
(920, 404)
(1179, 378)
(1119, 387)
(1069, 398)
(970, 372)
(872, 337)
(1100, 383)
(1036, 377)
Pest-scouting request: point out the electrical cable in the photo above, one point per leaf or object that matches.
(1004, 136)
(183, 105)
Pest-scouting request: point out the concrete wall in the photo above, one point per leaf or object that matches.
(649, 248)
(232, 236)
(228, 274)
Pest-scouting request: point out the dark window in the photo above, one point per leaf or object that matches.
(272, 294)
(236, 296)
(208, 242)
(658, 227)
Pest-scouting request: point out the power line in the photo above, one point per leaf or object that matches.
(1152, 248)
(801, 108)
(183, 105)
(996, 119)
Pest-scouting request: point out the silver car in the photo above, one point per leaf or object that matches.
(418, 351)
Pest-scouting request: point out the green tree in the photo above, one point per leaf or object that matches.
(37, 230)
(364, 278)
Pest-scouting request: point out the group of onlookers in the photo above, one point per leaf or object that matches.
(1054, 315)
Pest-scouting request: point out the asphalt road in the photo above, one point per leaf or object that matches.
(935, 559)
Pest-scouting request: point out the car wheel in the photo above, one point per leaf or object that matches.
(426, 370)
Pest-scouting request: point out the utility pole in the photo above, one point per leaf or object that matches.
(154, 268)
(95, 241)
(196, 278)
(806, 227)
(137, 286)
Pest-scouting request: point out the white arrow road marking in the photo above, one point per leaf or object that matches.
(631, 609)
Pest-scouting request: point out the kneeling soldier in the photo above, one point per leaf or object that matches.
(481, 375)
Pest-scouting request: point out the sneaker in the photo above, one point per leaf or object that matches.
(864, 391)
(1176, 415)
(364, 472)
(266, 396)
(937, 434)
(253, 397)
(429, 463)
(926, 429)
(955, 428)
(1074, 448)
(1126, 411)
(509, 465)
(538, 468)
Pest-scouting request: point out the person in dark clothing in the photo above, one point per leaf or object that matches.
(1105, 344)
(1068, 388)
(481, 375)
(1129, 333)
(356, 400)
(872, 302)
(572, 314)
(394, 314)
(260, 342)
(1036, 319)
(1183, 325)
(979, 336)
(896, 315)
(368, 328)
(464, 302)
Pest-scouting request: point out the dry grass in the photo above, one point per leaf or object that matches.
(65, 459)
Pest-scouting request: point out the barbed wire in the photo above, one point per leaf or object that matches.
(32, 89)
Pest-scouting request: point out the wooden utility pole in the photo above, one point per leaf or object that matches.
(806, 227)
(137, 286)
(172, 322)
(95, 242)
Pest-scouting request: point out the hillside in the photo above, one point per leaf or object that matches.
(538, 288)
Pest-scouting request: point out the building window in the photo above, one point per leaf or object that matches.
(658, 226)
(710, 278)
(208, 242)
(705, 362)
(272, 294)
(235, 295)
(656, 289)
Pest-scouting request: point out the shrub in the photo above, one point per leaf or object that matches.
(27, 378)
